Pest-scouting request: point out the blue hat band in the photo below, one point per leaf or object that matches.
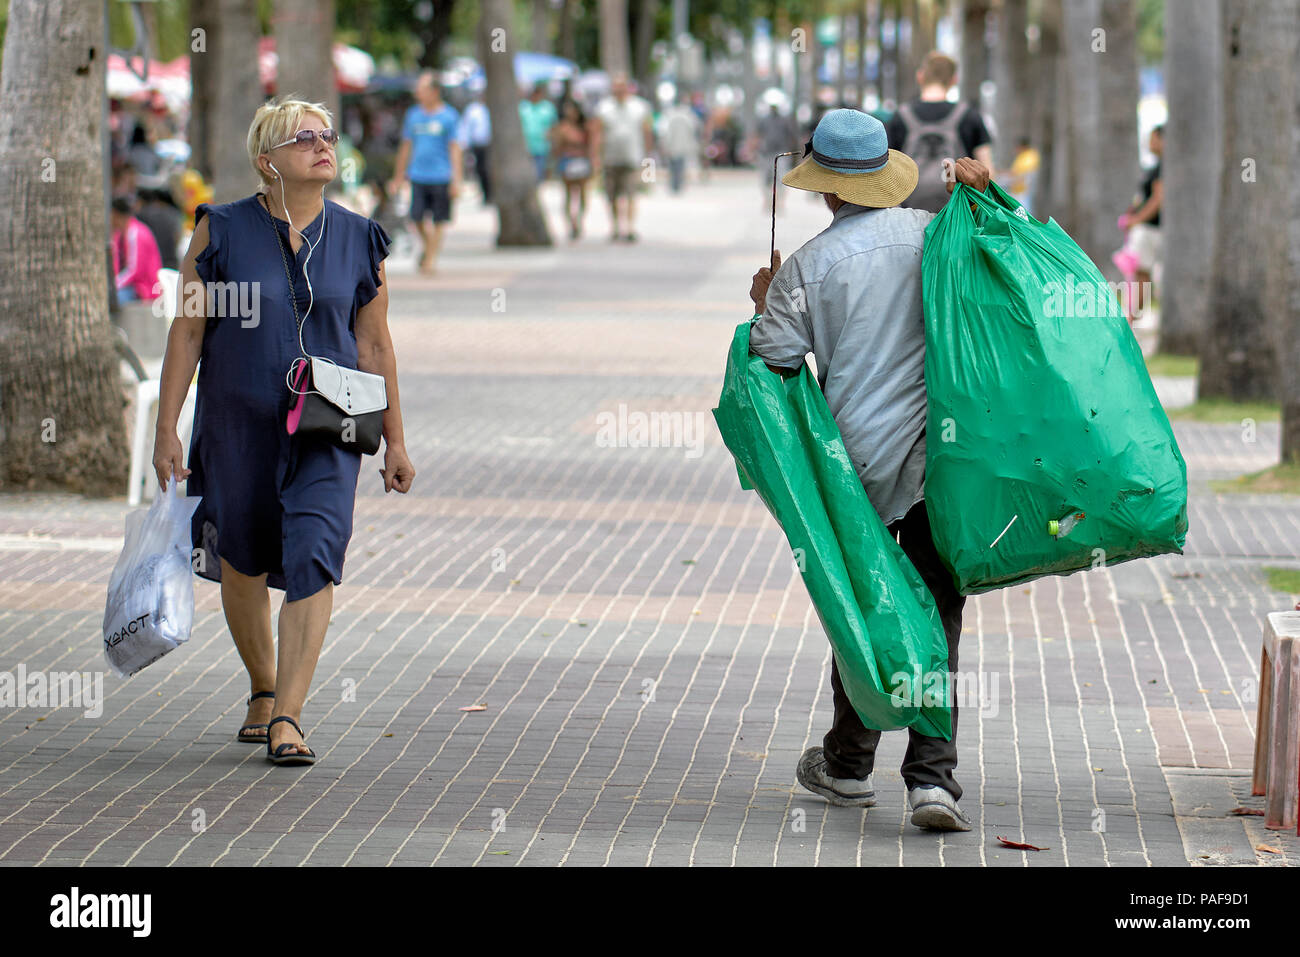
(849, 164)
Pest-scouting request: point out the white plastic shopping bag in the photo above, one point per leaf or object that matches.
(150, 605)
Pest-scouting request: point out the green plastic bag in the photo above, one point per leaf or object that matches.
(882, 622)
(1047, 450)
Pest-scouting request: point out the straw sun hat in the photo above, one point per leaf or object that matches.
(849, 156)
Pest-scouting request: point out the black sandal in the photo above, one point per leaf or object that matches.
(278, 756)
(255, 738)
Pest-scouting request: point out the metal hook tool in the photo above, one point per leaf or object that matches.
(772, 252)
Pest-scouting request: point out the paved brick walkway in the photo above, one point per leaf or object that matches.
(647, 655)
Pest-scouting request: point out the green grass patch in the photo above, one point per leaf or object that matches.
(1164, 364)
(1279, 479)
(1225, 410)
(1283, 579)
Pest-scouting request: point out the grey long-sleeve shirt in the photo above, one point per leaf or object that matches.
(851, 296)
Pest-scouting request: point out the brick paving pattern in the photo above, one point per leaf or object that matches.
(649, 661)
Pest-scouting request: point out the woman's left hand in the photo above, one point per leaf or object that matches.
(398, 470)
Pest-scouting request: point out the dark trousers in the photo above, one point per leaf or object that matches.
(850, 746)
(481, 168)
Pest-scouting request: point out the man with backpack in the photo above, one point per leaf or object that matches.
(930, 129)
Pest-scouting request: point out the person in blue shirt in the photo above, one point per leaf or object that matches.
(537, 115)
(476, 136)
(430, 155)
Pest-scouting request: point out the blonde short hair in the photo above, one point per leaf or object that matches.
(278, 120)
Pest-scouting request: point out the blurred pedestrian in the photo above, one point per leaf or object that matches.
(624, 138)
(1023, 176)
(573, 144)
(679, 140)
(776, 133)
(1143, 250)
(276, 508)
(136, 259)
(930, 129)
(537, 116)
(430, 155)
(159, 213)
(476, 136)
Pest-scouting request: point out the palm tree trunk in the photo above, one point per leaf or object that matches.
(1081, 120)
(304, 40)
(1193, 157)
(227, 93)
(514, 178)
(541, 26)
(61, 403)
(860, 70)
(974, 64)
(1014, 86)
(1048, 70)
(1117, 145)
(1289, 335)
(645, 38)
(568, 39)
(1250, 285)
(614, 54)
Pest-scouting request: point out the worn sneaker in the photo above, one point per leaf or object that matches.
(844, 792)
(934, 808)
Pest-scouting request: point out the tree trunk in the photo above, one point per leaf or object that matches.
(568, 40)
(304, 41)
(1082, 127)
(204, 22)
(62, 421)
(887, 33)
(1116, 154)
(1250, 283)
(226, 70)
(1193, 158)
(614, 54)
(974, 65)
(645, 38)
(842, 61)
(541, 26)
(520, 221)
(433, 33)
(1289, 334)
(1044, 130)
(904, 27)
(1015, 88)
(860, 69)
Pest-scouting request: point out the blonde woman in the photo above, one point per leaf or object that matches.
(277, 508)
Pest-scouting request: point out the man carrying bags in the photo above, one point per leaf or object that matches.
(852, 296)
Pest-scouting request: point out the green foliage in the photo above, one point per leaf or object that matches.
(1170, 365)
(1278, 480)
(1283, 579)
(1151, 32)
(1225, 410)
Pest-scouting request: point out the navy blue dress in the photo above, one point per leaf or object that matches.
(274, 503)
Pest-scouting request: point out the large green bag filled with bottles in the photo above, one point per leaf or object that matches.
(1047, 450)
(882, 622)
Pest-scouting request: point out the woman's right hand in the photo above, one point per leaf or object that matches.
(168, 458)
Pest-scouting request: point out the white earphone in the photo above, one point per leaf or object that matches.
(311, 296)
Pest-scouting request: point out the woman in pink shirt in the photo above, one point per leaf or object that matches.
(136, 259)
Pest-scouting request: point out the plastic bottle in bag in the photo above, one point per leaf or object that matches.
(150, 606)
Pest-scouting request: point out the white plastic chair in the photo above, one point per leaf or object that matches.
(146, 403)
